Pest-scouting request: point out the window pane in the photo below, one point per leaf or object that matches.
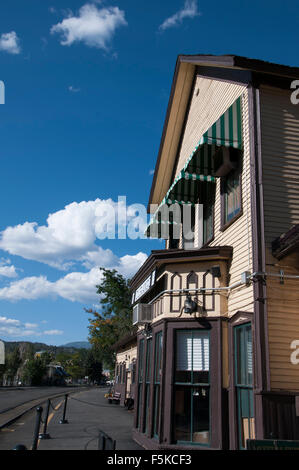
(200, 351)
(139, 409)
(244, 355)
(141, 359)
(146, 409)
(156, 409)
(182, 414)
(148, 360)
(208, 212)
(192, 357)
(232, 195)
(201, 415)
(184, 351)
(158, 357)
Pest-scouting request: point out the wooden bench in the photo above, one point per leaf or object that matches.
(115, 398)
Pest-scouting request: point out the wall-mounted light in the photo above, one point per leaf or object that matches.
(147, 331)
(215, 271)
(190, 306)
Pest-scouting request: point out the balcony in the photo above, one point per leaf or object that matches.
(167, 275)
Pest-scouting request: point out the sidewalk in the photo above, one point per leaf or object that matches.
(87, 413)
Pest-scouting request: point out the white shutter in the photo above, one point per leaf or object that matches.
(184, 351)
(200, 349)
(249, 355)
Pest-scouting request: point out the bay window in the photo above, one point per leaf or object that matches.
(191, 389)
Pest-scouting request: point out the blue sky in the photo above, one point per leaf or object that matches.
(87, 86)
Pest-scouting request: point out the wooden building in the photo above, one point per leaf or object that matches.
(229, 154)
(125, 367)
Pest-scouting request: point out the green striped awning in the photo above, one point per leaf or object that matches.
(199, 168)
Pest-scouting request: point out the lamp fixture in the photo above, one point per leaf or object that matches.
(215, 271)
(147, 331)
(190, 306)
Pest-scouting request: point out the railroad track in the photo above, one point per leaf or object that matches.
(12, 414)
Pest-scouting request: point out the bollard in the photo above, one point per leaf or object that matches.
(39, 411)
(105, 442)
(63, 420)
(44, 434)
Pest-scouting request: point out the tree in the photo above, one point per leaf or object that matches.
(115, 319)
(13, 362)
(94, 365)
(34, 371)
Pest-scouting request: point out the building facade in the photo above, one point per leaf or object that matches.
(217, 309)
(125, 368)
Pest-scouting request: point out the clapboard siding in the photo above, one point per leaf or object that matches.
(283, 328)
(280, 166)
(211, 98)
(280, 163)
(239, 233)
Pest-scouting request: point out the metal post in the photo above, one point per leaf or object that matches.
(39, 411)
(63, 420)
(44, 434)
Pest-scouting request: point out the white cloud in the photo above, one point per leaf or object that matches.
(9, 42)
(75, 286)
(9, 321)
(189, 10)
(69, 235)
(15, 328)
(53, 332)
(93, 26)
(7, 269)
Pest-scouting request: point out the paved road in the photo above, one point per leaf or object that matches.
(87, 412)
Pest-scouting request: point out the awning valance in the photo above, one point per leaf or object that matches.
(199, 167)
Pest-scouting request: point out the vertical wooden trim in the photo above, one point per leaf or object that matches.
(204, 295)
(172, 295)
(261, 353)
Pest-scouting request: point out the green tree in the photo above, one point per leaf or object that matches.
(13, 362)
(94, 367)
(115, 318)
(34, 371)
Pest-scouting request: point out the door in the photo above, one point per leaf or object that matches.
(243, 383)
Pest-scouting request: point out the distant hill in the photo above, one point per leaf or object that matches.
(70, 347)
(77, 345)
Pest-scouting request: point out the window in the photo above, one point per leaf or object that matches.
(243, 379)
(191, 389)
(140, 382)
(157, 381)
(231, 196)
(117, 374)
(188, 226)
(133, 371)
(208, 212)
(147, 385)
